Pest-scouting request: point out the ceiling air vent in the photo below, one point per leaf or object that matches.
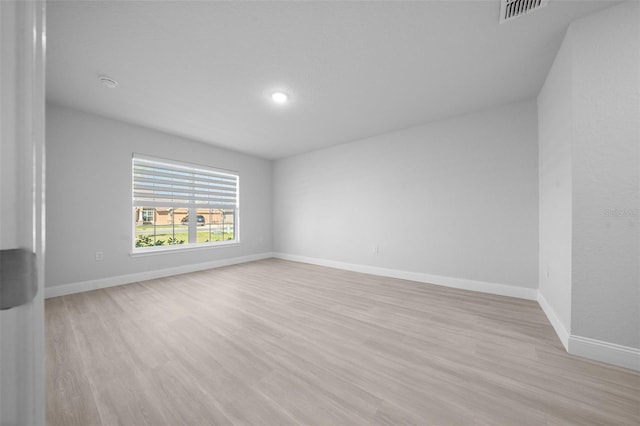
(510, 9)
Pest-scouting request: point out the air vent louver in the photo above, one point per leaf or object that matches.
(510, 9)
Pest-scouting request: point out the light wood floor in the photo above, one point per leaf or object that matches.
(275, 342)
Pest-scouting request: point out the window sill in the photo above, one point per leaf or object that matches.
(150, 251)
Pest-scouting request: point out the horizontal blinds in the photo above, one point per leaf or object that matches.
(164, 183)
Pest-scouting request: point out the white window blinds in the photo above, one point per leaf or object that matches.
(163, 183)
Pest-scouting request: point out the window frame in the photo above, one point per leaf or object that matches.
(191, 206)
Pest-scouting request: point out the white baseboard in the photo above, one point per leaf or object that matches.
(557, 325)
(64, 289)
(461, 283)
(610, 353)
(598, 350)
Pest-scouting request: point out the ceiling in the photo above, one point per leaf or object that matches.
(205, 70)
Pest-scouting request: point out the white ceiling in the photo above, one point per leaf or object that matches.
(205, 70)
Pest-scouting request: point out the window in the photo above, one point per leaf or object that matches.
(178, 205)
(148, 215)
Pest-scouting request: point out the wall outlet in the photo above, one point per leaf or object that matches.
(99, 256)
(375, 249)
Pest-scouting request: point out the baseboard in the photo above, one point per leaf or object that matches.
(460, 283)
(622, 356)
(598, 350)
(557, 325)
(64, 289)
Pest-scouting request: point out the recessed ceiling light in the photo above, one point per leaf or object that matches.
(279, 97)
(109, 82)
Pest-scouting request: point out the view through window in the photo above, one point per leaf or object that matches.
(182, 205)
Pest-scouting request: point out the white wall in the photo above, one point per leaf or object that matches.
(555, 133)
(456, 198)
(606, 116)
(589, 127)
(89, 197)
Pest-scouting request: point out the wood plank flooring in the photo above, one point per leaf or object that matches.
(275, 342)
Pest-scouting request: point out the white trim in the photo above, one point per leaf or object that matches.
(598, 350)
(461, 283)
(611, 353)
(557, 325)
(64, 289)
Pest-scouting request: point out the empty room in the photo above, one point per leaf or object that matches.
(320, 212)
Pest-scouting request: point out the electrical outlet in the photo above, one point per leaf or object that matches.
(375, 249)
(99, 256)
